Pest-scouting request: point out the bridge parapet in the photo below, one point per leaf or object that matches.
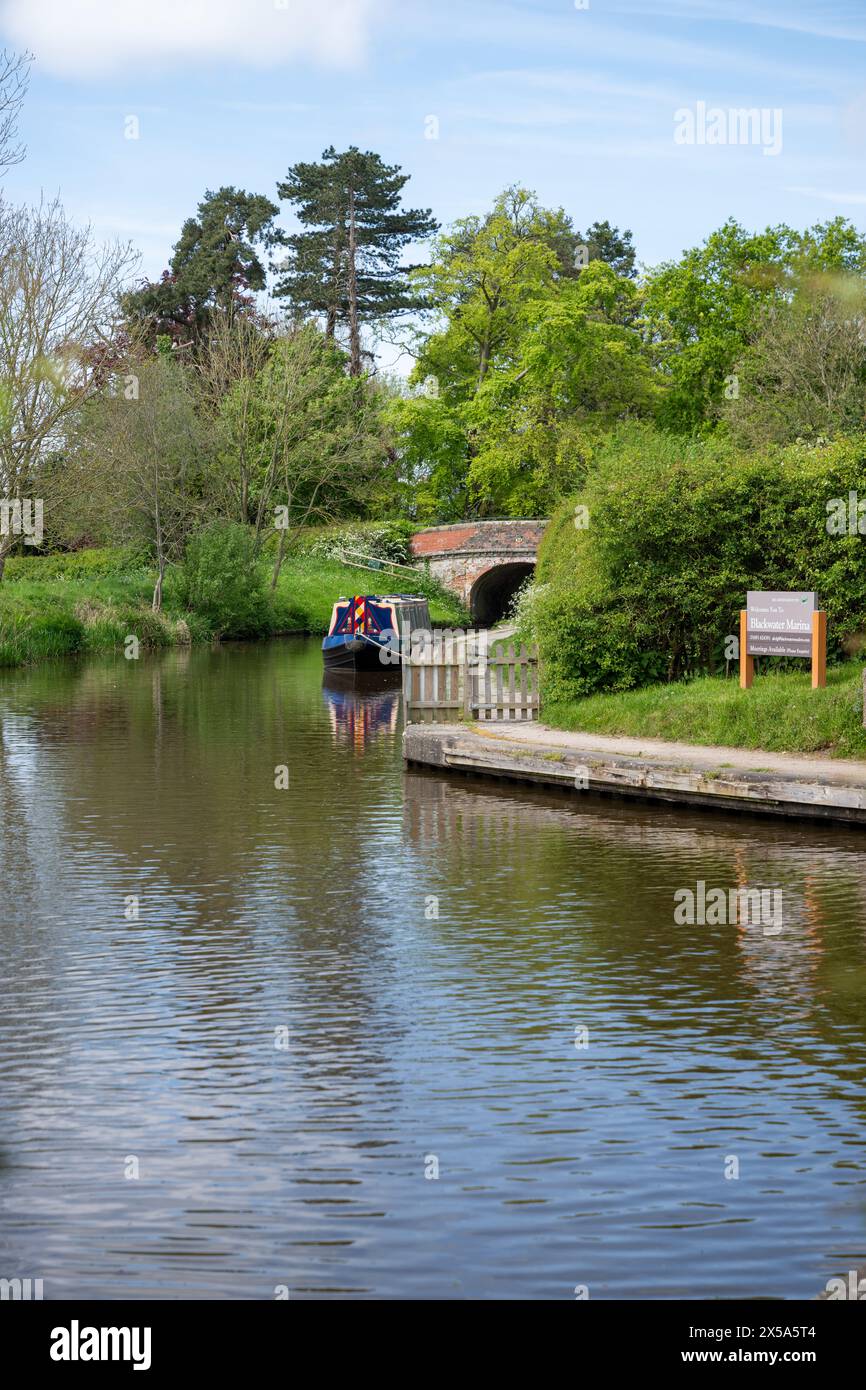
(478, 537)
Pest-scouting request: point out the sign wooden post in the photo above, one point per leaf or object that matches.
(819, 651)
(747, 663)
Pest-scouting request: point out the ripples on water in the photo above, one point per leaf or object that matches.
(410, 1036)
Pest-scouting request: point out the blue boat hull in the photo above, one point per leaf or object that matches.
(346, 652)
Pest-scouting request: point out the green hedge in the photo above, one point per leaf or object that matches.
(678, 532)
(97, 562)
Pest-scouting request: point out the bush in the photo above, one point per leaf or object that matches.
(523, 608)
(678, 532)
(153, 630)
(385, 540)
(221, 581)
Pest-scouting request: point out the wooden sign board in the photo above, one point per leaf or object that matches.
(780, 624)
(783, 624)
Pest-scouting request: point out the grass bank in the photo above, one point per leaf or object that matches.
(93, 600)
(781, 713)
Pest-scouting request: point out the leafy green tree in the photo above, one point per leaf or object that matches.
(228, 367)
(432, 453)
(701, 312)
(804, 374)
(216, 266)
(524, 369)
(345, 266)
(481, 273)
(221, 580)
(298, 441)
(137, 462)
(579, 372)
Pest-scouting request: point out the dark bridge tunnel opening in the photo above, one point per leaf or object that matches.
(491, 595)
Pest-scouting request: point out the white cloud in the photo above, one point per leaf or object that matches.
(83, 38)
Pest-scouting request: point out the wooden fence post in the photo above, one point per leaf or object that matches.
(747, 663)
(467, 680)
(819, 651)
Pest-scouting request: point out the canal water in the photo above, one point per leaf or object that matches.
(383, 1034)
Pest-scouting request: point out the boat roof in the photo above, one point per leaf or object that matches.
(387, 598)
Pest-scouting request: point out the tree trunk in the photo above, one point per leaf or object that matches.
(334, 306)
(484, 363)
(157, 589)
(265, 495)
(278, 563)
(354, 328)
(160, 560)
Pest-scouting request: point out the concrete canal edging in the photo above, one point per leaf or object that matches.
(726, 779)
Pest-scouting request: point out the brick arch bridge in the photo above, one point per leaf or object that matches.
(484, 562)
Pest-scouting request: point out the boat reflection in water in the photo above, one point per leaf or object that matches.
(362, 706)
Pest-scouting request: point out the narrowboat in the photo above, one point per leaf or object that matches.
(368, 632)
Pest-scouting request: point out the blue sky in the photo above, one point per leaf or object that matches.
(576, 103)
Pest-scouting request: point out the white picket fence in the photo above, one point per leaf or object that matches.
(443, 683)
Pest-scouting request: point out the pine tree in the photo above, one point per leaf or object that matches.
(606, 243)
(215, 265)
(345, 264)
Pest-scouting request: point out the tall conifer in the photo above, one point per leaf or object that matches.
(345, 263)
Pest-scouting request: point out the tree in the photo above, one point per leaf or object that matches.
(578, 372)
(345, 267)
(58, 316)
(530, 358)
(215, 267)
(567, 370)
(702, 311)
(236, 352)
(606, 243)
(14, 81)
(804, 375)
(321, 439)
(221, 579)
(137, 460)
(481, 273)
